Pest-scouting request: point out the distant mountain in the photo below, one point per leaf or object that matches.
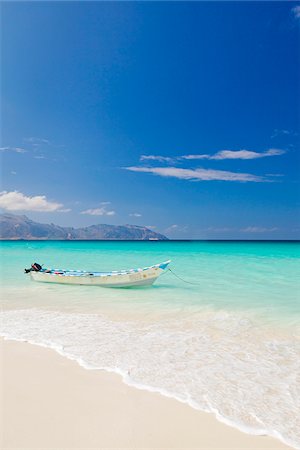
(16, 227)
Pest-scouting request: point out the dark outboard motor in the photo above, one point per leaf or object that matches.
(35, 267)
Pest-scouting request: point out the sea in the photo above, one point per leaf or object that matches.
(219, 332)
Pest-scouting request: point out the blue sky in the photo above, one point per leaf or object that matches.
(182, 116)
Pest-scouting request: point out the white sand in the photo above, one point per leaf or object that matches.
(50, 402)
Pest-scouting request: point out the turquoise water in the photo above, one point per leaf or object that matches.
(224, 340)
(262, 277)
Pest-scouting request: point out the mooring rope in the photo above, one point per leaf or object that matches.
(177, 276)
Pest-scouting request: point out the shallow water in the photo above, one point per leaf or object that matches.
(227, 339)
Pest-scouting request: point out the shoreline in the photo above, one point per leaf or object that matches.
(50, 401)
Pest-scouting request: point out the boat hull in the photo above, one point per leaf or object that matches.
(132, 278)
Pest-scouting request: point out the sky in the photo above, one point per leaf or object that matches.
(179, 116)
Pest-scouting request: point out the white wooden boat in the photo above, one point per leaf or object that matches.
(123, 278)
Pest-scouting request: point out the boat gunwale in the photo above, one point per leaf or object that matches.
(82, 273)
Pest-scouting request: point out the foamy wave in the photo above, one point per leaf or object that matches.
(218, 362)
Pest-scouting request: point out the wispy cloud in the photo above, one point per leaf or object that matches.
(176, 228)
(277, 132)
(191, 157)
(237, 154)
(36, 140)
(296, 11)
(199, 174)
(41, 148)
(281, 133)
(156, 158)
(258, 230)
(221, 155)
(172, 227)
(218, 229)
(102, 211)
(16, 201)
(13, 149)
(135, 215)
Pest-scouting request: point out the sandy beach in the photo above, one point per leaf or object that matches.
(49, 401)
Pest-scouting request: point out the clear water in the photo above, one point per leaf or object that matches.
(225, 340)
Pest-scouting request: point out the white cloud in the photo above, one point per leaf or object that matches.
(223, 154)
(218, 230)
(13, 149)
(199, 174)
(156, 158)
(135, 215)
(247, 154)
(99, 211)
(204, 156)
(237, 154)
(151, 227)
(36, 140)
(258, 229)
(176, 228)
(16, 201)
(13, 172)
(277, 132)
(296, 11)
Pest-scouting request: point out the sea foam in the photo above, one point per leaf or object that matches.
(216, 361)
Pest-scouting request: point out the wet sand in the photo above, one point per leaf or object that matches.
(48, 401)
